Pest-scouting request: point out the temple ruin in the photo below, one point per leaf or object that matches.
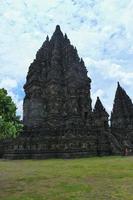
(58, 118)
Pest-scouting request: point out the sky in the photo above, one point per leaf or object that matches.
(102, 31)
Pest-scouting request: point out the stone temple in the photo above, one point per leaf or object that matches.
(57, 88)
(57, 114)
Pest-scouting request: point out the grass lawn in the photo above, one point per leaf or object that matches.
(105, 178)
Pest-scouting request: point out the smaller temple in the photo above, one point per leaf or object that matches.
(101, 117)
(122, 119)
(122, 113)
(101, 126)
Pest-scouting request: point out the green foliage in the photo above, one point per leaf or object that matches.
(10, 125)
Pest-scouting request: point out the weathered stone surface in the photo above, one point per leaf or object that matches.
(61, 144)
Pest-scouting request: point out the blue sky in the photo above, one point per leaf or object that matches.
(102, 31)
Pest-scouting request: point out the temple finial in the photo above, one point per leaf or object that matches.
(58, 28)
(47, 38)
(57, 35)
(118, 84)
(65, 36)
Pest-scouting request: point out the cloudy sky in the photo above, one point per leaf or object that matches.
(102, 31)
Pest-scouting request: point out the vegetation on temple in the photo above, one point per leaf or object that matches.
(10, 125)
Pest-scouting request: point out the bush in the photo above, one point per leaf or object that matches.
(10, 125)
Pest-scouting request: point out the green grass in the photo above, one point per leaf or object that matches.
(106, 178)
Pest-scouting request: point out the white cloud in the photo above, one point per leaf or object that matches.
(8, 83)
(110, 70)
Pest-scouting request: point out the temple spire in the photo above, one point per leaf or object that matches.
(122, 107)
(118, 84)
(66, 36)
(99, 108)
(57, 35)
(100, 117)
(58, 28)
(64, 82)
(47, 38)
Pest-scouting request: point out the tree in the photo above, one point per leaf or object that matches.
(10, 125)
